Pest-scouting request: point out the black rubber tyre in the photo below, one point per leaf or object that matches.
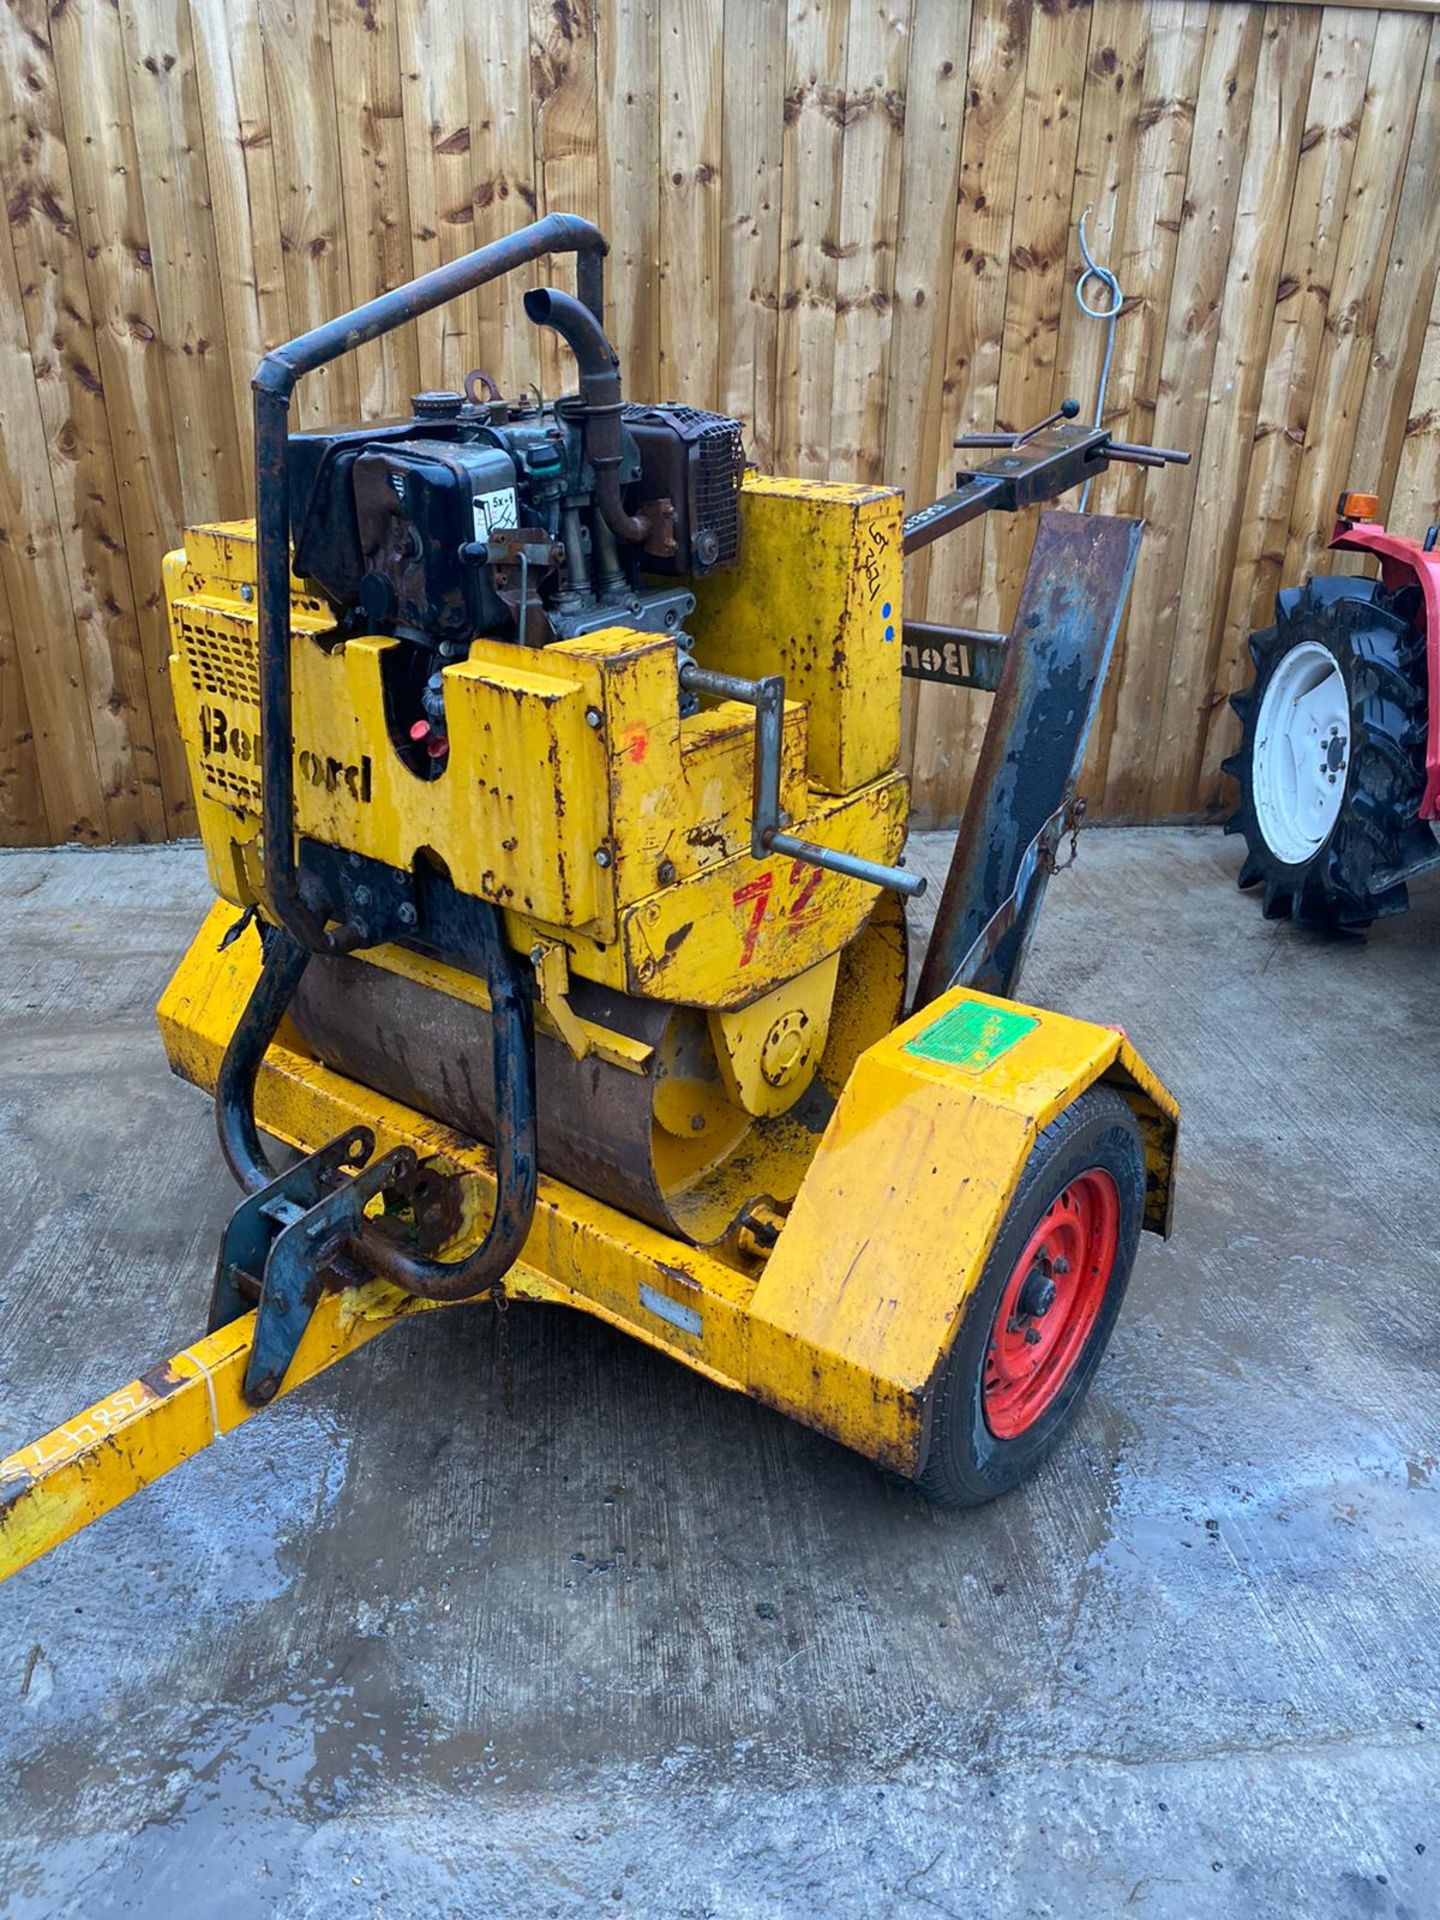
(966, 1464)
(1356, 874)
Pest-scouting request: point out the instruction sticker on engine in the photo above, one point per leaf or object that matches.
(494, 511)
(971, 1037)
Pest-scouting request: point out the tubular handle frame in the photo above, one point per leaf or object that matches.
(274, 384)
(512, 1042)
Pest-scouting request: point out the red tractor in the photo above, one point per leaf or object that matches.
(1339, 760)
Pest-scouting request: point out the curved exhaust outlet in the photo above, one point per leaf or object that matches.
(599, 366)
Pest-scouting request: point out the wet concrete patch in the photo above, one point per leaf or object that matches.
(641, 1645)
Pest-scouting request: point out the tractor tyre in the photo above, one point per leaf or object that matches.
(1331, 759)
(1035, 1328)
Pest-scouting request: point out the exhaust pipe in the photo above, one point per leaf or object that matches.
(599, 366)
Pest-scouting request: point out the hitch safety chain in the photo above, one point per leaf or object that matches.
(1070, 821)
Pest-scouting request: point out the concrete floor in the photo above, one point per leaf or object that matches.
(641, 1646)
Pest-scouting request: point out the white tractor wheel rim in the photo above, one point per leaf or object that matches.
(1302, 753)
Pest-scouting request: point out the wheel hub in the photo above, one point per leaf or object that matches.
(1301, 753)
(1037, 1296)
(1050, 1304)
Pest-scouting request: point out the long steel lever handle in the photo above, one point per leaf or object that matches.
(767, 697)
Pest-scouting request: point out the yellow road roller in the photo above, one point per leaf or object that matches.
(547, 767)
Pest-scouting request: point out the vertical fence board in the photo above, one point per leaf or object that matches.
(1318, 197)
(300, 79)
(502, 163)
(23, 819)
(809, 233)
(131, 182)
(1409, 287)
(1104, 179)
(364, 52)
(133, 359)
(446, 150)
(50, 659)
(240, 172)
(1164, 129)
(852, 223)
(54, 297)
(1217, 152)
(175, 185)
(1382, 148)
(1036, 290)
(690, 196)
(629, 56)
(871, 167)
(752, 132)
(948, 724)
(1232, 398)
(929, 189)
(564, 88)
(1415, 503)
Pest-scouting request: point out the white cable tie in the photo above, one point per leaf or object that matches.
(191, 1355)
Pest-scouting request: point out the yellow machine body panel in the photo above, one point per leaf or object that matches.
(576, 796)
(845, 1324)
(817, 599)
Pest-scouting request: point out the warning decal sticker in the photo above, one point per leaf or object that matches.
(971, 1037)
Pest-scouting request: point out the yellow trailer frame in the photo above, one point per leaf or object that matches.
(846, 1326)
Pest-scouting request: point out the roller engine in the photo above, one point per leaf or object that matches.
(513, 519)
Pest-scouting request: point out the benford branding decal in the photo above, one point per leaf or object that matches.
(222, 738)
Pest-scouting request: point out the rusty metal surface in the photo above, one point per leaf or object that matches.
(433, 1052)
(1055, 665)
(661, 1139)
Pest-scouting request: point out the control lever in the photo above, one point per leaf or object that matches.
(1028, 468)
(767, 696)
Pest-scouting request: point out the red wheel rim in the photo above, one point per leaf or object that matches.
(1050, 1304)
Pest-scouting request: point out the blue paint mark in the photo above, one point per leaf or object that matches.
(889, 633)
(885, 611)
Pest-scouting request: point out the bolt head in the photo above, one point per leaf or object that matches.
(592, 717)
(602, 856)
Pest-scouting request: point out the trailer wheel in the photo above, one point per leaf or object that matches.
(1330, 763)
(1035, 1328)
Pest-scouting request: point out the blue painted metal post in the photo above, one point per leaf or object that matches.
(1055, 666)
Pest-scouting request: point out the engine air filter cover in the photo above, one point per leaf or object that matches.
(696, 460)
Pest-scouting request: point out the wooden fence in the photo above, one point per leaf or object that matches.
(850, 222)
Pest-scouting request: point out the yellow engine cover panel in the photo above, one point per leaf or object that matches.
(817, 598)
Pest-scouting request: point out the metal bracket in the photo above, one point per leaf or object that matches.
(1037, 864)
(952, 656)
(767, 697)
(282, 1241)
(252, 1227)
(550, 959)
(1054, 668)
